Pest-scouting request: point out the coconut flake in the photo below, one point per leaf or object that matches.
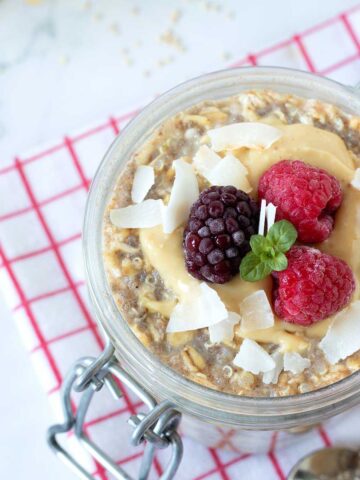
(343, 336)
(245, 134)
(212, 306)
(224, 330)
(203, 310)
(256, 312)
(295, 363)
(253, 358)
(230, 171)
(184, 317)
(356, 179)
(205, 160)
(273, 375)
(261, 230)
(146, 214)
(270, 216)
(184, 193)
(144, 179)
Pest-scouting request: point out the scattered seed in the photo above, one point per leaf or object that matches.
(175, 15)
(228, 371)
(150, 280)
(173, 40)
(137, 262)
(114, 27)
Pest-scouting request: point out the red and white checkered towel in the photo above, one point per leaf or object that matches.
(41, 272)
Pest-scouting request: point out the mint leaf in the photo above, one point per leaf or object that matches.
(278, 263)
(253, 268)
(268, 253)
(282, 236)
(259, 244)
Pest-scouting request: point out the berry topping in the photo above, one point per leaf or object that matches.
(218, 232)
(313, 287)
(305, 195)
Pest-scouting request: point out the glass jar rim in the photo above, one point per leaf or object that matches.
(160, 380)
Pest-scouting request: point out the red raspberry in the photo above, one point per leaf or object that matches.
(218, 231)
(306, 196)
(313, 287)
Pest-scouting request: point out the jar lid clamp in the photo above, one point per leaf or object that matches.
(158, 426)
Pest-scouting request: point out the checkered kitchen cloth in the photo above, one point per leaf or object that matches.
(41, 274)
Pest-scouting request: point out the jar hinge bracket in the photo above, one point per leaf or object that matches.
(158, 426)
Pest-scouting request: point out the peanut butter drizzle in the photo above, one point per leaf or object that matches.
(299, 142)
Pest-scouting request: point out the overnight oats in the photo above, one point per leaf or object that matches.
(232, 244)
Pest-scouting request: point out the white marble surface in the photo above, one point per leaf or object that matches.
(65, 64)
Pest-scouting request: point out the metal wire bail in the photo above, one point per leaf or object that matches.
(157, 427)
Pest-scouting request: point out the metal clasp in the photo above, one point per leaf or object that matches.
(157, 427)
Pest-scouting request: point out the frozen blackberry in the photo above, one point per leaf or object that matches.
(218, 231)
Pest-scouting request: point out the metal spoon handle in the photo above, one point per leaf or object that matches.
(328, 464)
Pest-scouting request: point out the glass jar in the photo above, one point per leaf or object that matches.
(213, 418)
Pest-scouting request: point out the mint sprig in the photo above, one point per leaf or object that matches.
(268, 253)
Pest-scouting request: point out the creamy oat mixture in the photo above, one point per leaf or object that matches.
(145, 267)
